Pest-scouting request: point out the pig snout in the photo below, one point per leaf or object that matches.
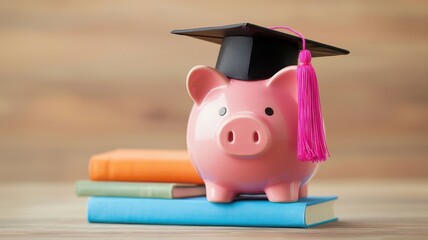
(244, 136)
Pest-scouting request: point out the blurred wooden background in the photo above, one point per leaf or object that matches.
(82, 77)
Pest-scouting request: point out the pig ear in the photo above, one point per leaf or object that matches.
(285, 79)
(201, 80)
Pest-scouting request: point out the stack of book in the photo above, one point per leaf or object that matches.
(162, 187)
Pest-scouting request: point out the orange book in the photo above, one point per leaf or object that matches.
(143, 165)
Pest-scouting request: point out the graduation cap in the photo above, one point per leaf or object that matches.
(249, 53)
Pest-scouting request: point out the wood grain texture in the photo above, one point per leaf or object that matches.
(367, 210)
(83, 77)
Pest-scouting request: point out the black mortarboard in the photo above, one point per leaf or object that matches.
(250, 52)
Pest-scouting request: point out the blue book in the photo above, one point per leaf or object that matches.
(250, 212)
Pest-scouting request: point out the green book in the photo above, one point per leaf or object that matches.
(138, 189)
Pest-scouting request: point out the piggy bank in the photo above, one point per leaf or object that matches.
(242, 136)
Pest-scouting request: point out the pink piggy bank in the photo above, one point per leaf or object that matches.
(242, 135)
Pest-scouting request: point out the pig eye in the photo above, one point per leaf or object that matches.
(222, 111)
(269, 111)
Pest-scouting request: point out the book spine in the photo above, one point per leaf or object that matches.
(117, 189)
(143, 170)
(193, 212)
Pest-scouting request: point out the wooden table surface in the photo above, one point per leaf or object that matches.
(367, 209)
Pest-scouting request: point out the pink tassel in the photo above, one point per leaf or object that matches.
(311, 145)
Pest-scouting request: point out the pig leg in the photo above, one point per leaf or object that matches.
(218, 193)
(283, 192)
(303, 191)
